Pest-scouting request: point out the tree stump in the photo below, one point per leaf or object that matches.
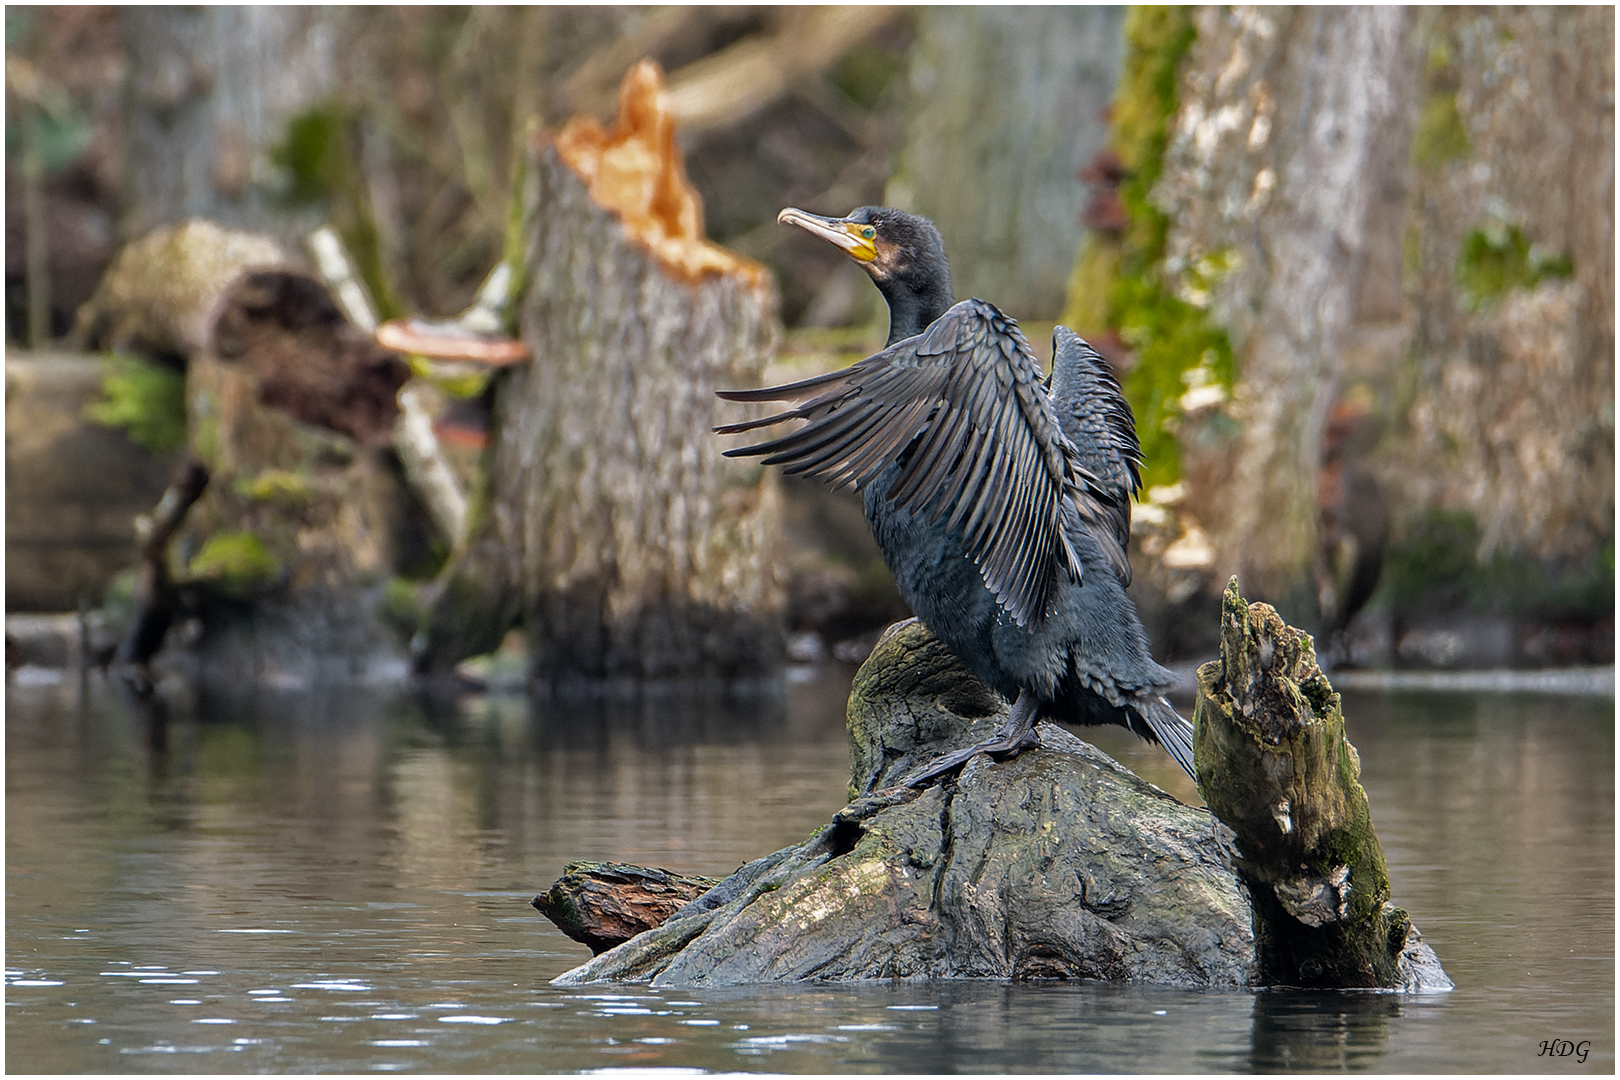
(1059, 863)
(1274, 764)
(612, 528)
(286, 555)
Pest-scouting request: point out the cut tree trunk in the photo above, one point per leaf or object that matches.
(1059, 863)
(612, 528)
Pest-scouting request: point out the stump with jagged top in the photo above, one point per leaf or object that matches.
(1274, 764)
(612, 529)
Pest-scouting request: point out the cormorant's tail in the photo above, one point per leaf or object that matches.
(1173, 733)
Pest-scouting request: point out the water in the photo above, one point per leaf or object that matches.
(340, 882)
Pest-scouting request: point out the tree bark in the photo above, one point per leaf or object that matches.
(291, 410)
(1007, 103)
(612, 528)
(607, 904)
(210, 91)
(1286, 116)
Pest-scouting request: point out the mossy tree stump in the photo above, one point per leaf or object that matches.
(1274, 765)
(290, 410)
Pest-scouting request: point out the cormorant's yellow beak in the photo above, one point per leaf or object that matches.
(856, 240)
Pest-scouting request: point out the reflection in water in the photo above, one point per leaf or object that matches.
(338, 881)
(1310, 1031)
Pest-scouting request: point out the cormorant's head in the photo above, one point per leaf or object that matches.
(902, 252)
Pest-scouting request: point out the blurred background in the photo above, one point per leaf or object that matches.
(1355, 268)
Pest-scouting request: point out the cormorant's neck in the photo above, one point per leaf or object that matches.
(912, 308)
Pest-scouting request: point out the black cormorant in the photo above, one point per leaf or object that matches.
(1001, 501)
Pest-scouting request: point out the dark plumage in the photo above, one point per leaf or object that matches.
(1001, 501)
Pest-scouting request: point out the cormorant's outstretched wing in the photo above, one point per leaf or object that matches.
(1097, 419)
(962, 407)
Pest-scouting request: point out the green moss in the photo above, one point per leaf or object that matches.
(1497, 258)
(866, 71)
(311, 150)
(276, 485)
(118, 599)
(1171, 336)
(1440, 136)
(401, 607)
(147, 400)
(459, 380)
(237, 564)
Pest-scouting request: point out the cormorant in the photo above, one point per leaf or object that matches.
(1001, 501)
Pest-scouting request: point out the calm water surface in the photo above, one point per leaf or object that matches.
(340, 881)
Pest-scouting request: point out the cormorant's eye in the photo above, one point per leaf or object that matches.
(869, 232)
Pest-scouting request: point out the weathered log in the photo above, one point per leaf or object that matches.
(1057, 864)
(611, 527)
(607, 904)
(1274, 764)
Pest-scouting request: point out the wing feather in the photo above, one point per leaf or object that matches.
(962, 409)
(1098, 421)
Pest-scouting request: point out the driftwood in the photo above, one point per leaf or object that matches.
(1057, 864)
(611, 527)
(291, 410)
(607, 904)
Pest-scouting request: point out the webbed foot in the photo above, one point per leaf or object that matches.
(1015, 736)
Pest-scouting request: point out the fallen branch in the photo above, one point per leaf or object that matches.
(750, 75)
(156, 595)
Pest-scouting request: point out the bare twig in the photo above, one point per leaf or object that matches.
(745, 77)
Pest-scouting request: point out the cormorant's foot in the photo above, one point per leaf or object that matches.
(1001, 748)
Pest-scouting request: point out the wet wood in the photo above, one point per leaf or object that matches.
(606, 904)
(1274, 764)
(1059, 863)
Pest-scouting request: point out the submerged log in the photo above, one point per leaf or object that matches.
(607, 904)
(1274, 764)
(1059, 863)
(611, 527)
